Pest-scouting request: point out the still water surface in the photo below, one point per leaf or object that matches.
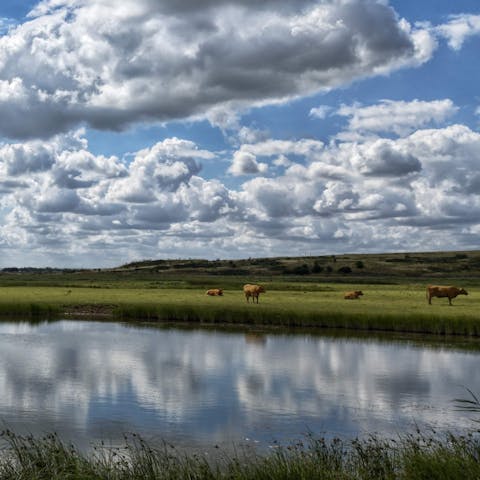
(94, 380)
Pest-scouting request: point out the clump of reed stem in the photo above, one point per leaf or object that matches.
(411, 457)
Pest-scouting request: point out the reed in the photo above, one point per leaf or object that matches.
(29, 310)
(410, 457)
(376, 320)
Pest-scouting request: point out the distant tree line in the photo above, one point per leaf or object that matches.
(316, 268)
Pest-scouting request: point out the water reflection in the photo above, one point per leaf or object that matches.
(92, 380)
(255, 338)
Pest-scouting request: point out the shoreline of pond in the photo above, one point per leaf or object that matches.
(370, 322)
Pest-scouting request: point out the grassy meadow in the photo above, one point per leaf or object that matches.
(401, 308)
(301, 291)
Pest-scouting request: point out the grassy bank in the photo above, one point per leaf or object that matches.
(408, 458)
(399, 308)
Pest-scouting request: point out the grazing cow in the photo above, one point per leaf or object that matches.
(439, 291)
(252, 291)
(353, 295)
(215, 292)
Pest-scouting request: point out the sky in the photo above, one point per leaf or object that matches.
(149, 129)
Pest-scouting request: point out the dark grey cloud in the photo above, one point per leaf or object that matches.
(20, 160)
(9, 186)
(473, 184)
(388, 162)
(195, 6)
(57, 200)
(84, 62)
(70, 179)
(161, 215)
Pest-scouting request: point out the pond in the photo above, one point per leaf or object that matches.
(196, 387)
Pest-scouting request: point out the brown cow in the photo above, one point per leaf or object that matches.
(253, 291)
(353, 295)
(439, 291)
(214, 292)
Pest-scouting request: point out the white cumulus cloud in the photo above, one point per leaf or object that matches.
(458, 29)
(107, 65)
(245, 163)
(400, 117)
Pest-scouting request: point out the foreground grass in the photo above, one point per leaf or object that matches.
(411, 457)
(400, 308)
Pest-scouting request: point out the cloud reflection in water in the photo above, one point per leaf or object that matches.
(92, 380)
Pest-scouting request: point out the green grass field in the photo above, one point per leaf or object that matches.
(383, 307)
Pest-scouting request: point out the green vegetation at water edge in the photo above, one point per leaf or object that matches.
(407, 458)
(400, 308)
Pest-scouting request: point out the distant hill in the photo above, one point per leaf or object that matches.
(425, 264)
(357, 268)
(462, 267)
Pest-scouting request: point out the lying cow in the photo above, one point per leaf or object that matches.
(215, 292)
(439, 291)
(252, 291)
(353, 295)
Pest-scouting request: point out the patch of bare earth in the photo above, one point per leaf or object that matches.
(89, 310)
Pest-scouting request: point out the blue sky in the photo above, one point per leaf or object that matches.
(235, 129)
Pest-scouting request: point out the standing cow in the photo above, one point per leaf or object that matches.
(439, 291)
(252, 291)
